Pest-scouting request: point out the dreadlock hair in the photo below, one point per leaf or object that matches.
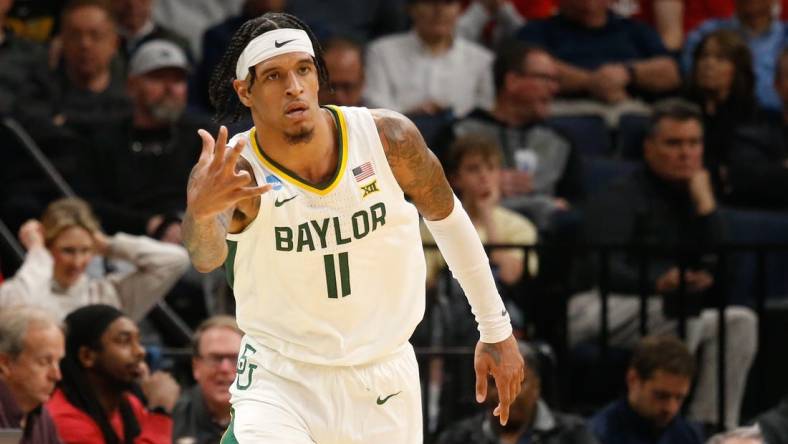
(221, 91)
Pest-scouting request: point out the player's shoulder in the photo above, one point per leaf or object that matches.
(395, 129)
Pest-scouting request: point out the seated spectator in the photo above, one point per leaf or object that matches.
(742, 435)
(104, 362)
(203, 412)
(658, 381)
(136, 170)
(429, 70)
(530, 419)
(489, 22)
(31, 347)
(344, 61)
(764, 34)
(214, 43)
(757, 160)
(136, 26)
(722, 83)
(473, 168)
(541, 169)
(602, 55)
(20, 59)
(59, 249)
(669, 204)
(774, 423)
(361, 21)
(59, 110)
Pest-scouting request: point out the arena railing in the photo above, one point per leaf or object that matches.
(162, 312)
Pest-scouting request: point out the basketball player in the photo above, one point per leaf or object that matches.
(307, 211)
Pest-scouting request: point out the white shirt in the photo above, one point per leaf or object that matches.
(402, 74)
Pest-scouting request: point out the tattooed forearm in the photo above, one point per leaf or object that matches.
(415, 167)
(492, 351)
(205, 241)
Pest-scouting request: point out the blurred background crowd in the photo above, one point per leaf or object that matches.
(628, 157)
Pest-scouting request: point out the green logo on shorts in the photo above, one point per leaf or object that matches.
(241, 369)
(383, 401)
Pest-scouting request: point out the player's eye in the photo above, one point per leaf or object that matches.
(273, 76)
(304, 70)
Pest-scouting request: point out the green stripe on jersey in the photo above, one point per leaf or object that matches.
(229, 434)
(229, 263)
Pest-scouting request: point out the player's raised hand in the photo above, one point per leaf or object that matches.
(504, 362)
(215, 184)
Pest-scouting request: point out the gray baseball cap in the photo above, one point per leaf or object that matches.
(157, 54)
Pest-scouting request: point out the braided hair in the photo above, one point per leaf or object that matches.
(222, 94)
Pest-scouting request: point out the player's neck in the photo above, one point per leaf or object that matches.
(314, 160)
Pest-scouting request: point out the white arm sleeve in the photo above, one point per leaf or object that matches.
(460, 246)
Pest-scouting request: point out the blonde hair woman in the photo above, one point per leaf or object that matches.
(59, 249)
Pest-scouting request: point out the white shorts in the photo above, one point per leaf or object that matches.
(277, 400)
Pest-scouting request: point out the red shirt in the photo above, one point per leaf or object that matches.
(76, 427)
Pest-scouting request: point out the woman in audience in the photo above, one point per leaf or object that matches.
(63, 243)
(722, 83)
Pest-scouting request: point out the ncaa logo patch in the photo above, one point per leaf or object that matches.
(274, 181)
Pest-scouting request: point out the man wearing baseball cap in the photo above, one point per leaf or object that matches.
(140, 166)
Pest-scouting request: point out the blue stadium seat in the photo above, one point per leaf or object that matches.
(758, 228)
(599, 172)
(631, 132)
(589, 134)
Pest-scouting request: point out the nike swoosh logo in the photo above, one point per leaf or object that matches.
(281, 44)
(503, 313)
(279, 203)
(383, 401)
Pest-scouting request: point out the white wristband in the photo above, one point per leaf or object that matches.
(463, 251)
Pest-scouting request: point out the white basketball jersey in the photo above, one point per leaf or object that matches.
(334, 273)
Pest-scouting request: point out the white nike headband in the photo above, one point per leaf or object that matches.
(271, 44)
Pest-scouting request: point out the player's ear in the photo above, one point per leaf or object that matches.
(242, 89)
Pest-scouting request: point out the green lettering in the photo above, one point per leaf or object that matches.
(364, 219)
(338, 233)
(321, 230)
(284, 238)
(378, 215)
(304, 238)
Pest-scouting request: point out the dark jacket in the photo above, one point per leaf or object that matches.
(133, 174)
(191, 419)
(548, 428)
(619, 424)
(39, 427)
(644, 209)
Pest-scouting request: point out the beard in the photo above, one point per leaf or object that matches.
(167, 111)
(303, 135)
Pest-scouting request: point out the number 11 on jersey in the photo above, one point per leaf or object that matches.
(331, 275)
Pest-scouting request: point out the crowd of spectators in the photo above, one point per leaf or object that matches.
(687, 99)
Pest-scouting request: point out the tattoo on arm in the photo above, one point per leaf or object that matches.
(415, 167)
(205, 241)
(491, 350)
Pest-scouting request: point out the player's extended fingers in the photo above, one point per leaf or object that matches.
(235, 153)
(207, 146)
(220, 147)
(504, 396)
(481, 383)
(249, 192)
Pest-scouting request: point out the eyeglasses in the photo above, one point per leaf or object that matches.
(216, 359)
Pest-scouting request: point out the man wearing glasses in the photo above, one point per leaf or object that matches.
(203, 412)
